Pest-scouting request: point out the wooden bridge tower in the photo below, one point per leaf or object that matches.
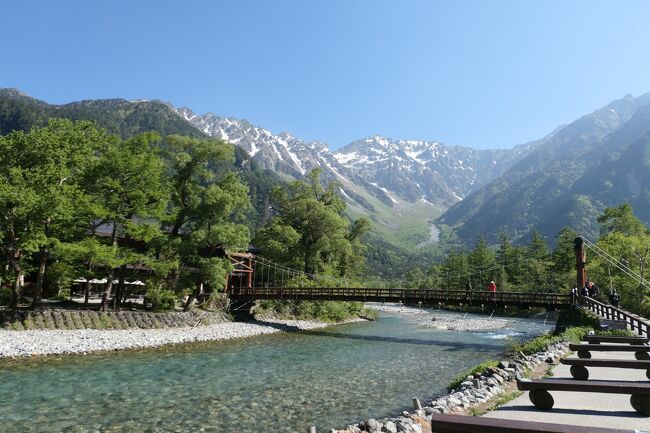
(581, 261)
(242, 274)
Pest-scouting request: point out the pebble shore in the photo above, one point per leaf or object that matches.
(82, 341)
(443, 320)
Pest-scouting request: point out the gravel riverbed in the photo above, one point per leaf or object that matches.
(81, 341)
(443, 320)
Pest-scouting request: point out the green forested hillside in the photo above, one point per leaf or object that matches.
(118, 116)
(20, 112)
(557, 185)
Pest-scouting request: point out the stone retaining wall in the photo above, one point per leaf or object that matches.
(89, 319)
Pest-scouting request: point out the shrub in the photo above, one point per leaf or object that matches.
(59, 277)
(161, 299)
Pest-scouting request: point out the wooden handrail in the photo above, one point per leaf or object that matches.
(464, 297)
(635, 323)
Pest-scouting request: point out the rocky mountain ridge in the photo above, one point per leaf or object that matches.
(410, 169)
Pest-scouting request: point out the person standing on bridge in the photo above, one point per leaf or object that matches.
(468, 290)
(614, 299)
(492, 288)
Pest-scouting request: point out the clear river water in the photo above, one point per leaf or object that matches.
(275, 383)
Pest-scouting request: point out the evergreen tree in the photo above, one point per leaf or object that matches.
(42, 194)
(310, 230)
(563, 267)
(537, 264)
(206, 214)
(481, 263)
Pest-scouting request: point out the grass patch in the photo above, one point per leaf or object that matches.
(505, 398)
(480, 368)
(498, 402)
(537, 344)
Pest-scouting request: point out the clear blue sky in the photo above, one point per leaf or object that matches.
(476, 73)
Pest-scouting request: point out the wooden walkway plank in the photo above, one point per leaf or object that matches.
(472, 424)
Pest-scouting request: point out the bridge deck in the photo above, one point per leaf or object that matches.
(425, 296)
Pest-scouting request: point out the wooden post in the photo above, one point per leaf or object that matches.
(581, 259)
(250, 274)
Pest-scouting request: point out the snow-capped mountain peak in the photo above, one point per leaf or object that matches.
(386, 168)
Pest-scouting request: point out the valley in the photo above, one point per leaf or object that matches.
(403, 185)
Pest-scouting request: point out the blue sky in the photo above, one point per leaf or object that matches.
(484, 74)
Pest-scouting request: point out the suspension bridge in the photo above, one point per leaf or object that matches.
(257, 278)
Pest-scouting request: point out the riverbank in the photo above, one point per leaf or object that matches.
(476, 393)
(60, 332)
(82, 341)
(352, 371)
(442, 320)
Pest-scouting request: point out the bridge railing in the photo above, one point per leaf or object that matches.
(635, 323)
(403, 294)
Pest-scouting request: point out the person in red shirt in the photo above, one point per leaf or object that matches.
(492, 288)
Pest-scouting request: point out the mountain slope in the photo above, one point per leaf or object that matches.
(19, 111)
(118, 116)
(425, 170)
(401, 185)
(542, 191)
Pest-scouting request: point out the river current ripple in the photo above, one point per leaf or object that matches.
(274, 383)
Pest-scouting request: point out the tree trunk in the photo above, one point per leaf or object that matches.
(14, 264)
(107, 290)
(111, 273)
(38, 295)
(15, 292)
(119, 290)
(191, 300)
(88, 285)
(86, 293)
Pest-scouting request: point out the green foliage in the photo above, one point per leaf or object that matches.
(117, 116)
(628, 240)
(537, 344)
(324, 311)
(59, 277)
(61, 183)
(505, 398)
(479, 368)
(161, 299)
(621, 220)
(310, 231)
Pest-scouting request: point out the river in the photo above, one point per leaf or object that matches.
(275, 383)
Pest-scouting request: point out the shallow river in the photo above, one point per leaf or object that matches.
(275, 383)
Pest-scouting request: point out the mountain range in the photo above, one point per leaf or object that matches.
(414, 190)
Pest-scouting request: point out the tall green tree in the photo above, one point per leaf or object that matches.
(455, 271)
(563, 261)
(537, 264)
(207, 213)
(481, 263)
(621, 219)
(310, 230)
(627, 242)
(42, 193)
(130, 193)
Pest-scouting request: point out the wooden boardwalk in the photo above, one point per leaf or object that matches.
(584, 409)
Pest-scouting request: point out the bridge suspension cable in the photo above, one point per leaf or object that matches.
(615, 263)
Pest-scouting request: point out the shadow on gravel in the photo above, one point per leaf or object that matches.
(280, 326)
